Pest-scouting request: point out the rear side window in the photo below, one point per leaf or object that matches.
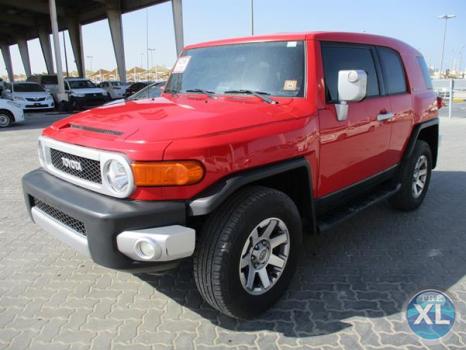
(338, 57)
(392, 70)
(425, 72)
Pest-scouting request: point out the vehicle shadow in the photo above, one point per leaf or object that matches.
(369, 267)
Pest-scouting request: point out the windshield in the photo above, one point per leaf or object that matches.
(28, 88)
(150, 91)
(275, 68)
(80, 84)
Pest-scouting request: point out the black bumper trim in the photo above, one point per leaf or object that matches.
(104, 217)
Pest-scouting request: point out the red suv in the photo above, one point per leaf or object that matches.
(252, 139)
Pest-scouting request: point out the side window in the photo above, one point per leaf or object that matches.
(392, 70)
(425, 72)
(338, 57)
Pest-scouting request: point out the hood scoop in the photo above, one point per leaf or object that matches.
(97, 130)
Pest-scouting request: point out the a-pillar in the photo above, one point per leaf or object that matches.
(76, 38)
(116, 30)
(177, 8)
(44, 39)
(7, 59)
(24, 52)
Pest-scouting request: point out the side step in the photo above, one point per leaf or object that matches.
(337, 215)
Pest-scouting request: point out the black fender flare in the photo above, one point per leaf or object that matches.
(211, 198)
(415, 136)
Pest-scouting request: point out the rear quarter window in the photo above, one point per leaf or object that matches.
(392, 70)
(425, 72)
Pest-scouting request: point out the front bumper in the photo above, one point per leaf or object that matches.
(108, 229)
(89, 101)
(37, 105)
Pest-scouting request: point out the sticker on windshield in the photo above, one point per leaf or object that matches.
(290, 85)
(291, 44)
(181, 64)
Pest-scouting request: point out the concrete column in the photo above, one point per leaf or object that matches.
(116, 29)
(177, 8)
(61, 95)
(7, 59)
(24, 52)
(76, 38)
(44, 39)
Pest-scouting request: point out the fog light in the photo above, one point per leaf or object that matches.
(147, 249)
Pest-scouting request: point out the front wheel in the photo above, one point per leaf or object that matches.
(6, 119)
(415, 178)
(248, 251)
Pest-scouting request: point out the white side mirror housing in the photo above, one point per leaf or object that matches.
(352, 87)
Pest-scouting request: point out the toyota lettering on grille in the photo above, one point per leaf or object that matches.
(72, 164)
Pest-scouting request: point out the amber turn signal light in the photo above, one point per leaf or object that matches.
(172, 173)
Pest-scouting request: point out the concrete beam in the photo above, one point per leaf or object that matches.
(44, 39)
(177, 8)
(24, 52)
(116, 30)
(76, 38)
(34, 6)
(7, 59)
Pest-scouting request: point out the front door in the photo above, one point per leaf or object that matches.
(357, 148)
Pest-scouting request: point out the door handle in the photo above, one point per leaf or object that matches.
(384, 116)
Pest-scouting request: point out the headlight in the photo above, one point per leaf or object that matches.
(18, 98)
(40, 151)
(116, 175)
(49, 97)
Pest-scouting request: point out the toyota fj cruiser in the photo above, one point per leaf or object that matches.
(252, 140)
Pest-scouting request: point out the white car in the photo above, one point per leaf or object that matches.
(10, 112)
(115, 89)
(31, 96)
(84, 93)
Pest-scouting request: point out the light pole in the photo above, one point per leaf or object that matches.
(446, 18)
(90, 62)
(152, 61)
(252, 17)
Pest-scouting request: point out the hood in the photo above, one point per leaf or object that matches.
(169, 119)
(88, 91)
(34, 94)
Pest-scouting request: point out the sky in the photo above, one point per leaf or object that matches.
(413, 21)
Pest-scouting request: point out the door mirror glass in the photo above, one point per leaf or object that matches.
(352, 87)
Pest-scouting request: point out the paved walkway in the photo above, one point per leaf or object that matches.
(350, 291)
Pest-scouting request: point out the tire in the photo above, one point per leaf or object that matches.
(408, 198)
(227, 236)
(6, 118)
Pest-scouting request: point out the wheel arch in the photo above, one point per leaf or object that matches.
(293, 177)
(429, 132)
(11, 114)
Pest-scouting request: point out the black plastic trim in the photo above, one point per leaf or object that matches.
(211, 198)
(414, 137)
(104, 217)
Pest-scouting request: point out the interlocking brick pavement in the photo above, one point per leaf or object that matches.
(349, 293)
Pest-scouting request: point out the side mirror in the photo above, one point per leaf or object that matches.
(352, 87)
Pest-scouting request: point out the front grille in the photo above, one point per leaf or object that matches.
(33, 99)
(60, 216)
(90, 168)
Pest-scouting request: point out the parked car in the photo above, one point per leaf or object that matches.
(10, 112)
(135, 87)
(84, 93)
(48, 81)
(115, 89)
(31, 96)
(252, 138)
(151, 91)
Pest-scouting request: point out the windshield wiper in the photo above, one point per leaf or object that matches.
(260, 94)
(202, 91)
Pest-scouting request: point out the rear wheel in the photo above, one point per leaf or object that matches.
(6, 119)
(415, 178)
(248, 251)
